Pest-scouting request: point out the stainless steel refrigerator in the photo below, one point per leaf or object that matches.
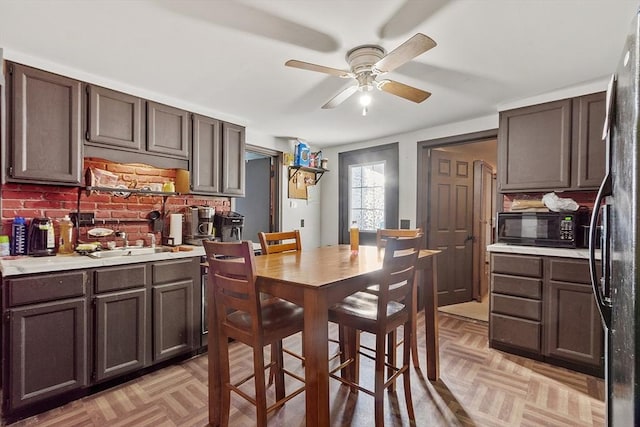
(617, 211)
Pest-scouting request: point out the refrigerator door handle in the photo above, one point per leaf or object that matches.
(603, 306)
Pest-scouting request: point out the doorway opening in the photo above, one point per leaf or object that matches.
(456, 208)
(260, 205)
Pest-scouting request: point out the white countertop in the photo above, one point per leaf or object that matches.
(14, 266)
(541, 251)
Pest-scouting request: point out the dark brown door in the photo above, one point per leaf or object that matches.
(120, 333)
(47, 350)
(173, 321)
(450, 211)
(46, 144)
(482, 226)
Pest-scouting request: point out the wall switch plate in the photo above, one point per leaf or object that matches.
(86, 218)
(302, 223)
(405, 224)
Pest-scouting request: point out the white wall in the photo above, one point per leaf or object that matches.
(407, 158)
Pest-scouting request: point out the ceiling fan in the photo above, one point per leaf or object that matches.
(366, 63)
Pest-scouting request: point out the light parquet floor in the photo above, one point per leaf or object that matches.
(478, 387)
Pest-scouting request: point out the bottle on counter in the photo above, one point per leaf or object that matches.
(354, 237)
(4, 246)
(18, 236)
(65, 241)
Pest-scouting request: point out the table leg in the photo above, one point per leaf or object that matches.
(316, 349)
(431, 322)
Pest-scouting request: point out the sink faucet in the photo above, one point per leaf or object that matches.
(153, 239)
(124, 237)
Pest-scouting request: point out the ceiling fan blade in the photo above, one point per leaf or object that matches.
(319, 68)
(405, 52)
(341, 97)
(404, 91)
(411, 14)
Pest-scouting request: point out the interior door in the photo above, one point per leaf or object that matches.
(482, 226)
(450, 225)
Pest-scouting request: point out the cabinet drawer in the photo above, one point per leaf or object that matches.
(516, 306)
(515, 332)
(568, 270)
(45, 287)
(517, 264)
(175, 270)
(517, 286)
(120, 277)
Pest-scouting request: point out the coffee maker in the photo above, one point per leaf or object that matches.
(229, 226)
(199, 224)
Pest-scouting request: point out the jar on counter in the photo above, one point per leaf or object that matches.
(4, 246)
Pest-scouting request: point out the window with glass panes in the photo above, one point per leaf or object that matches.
(367, 195)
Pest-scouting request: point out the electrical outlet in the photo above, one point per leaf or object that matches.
(86, 218)
(301, 223)
(405, 224)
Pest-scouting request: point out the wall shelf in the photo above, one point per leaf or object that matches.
(317, 171)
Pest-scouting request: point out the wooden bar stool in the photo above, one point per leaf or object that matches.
(380, 312)
(245, 317)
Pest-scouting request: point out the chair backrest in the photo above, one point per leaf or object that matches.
(382, 234)
(282, 241)
(232, 276)
(398, 269)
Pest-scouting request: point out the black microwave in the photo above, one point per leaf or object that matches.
(553, 229)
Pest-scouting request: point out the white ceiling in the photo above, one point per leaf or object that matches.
(226, 58)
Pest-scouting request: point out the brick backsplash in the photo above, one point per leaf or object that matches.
(582, 198)
(31, 201)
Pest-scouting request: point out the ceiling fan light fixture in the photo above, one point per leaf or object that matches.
(365, 99)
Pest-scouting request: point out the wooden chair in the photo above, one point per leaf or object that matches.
(245, 317)
(282, 241)
(382, 234)
(380, 312)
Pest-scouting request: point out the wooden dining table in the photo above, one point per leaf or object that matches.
(316, 279)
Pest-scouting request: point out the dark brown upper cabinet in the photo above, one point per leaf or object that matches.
(115, 118)
(552, 146)
(207, 155)
(233, 174)
(534, 147)
(45, 142)
(588, 150)
(218, 157)
(167, 130)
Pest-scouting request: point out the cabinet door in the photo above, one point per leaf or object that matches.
(120, 333)
(207, 155)
(167, 130)
(46, 144)
(114, 118)
(588, 157)
(233, 141)
(47, 351)
(573, 327)
(534, 147)
(173, 326)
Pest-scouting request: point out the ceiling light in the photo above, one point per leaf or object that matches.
(365, 99)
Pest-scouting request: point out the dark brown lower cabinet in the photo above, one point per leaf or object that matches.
(47, 352)
(543, 307)
(172, 319)
(121, 319)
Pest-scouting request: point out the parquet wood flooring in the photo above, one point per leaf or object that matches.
(478, 387)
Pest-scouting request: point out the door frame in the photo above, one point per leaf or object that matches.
(480, 188)
(275, 219)
(392, 197)
(423, 172)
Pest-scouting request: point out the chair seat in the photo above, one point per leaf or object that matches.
(279, 317)
(362, 307)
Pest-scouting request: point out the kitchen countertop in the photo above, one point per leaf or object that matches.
(14, 266)
(541, 251)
